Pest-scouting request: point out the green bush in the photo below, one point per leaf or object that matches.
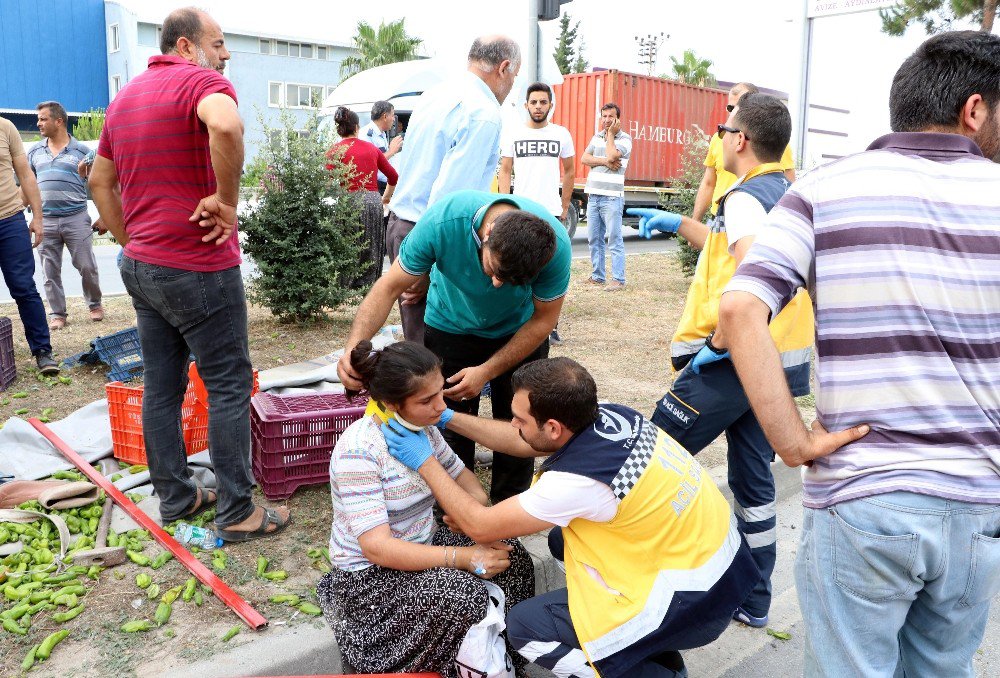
(89, 126)
(686, 183)
(304, 231)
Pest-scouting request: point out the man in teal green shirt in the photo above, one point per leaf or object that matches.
(499, 271)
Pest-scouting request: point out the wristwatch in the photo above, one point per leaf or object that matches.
(713, 349)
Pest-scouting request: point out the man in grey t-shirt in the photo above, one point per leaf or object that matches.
(607, 156)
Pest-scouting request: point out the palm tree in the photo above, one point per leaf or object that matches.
(693, 70)
(387, 45)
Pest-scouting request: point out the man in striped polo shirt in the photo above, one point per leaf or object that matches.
(607, 156)
(173, 140)
(54, 160)
(899, 247)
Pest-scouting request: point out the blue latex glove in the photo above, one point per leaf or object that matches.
(706, 356)
(445, 418)
(411, 448)
(654, 220)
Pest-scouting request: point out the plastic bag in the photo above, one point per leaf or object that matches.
(483, 653)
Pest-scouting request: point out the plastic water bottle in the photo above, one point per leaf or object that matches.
(192, 535)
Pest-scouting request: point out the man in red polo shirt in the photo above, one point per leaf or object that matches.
(173, 141)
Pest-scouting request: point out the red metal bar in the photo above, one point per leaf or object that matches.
(222, 591)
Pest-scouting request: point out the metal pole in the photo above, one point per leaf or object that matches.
(529, 54)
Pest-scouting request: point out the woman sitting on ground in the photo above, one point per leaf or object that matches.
(402, 596)
(367, 161)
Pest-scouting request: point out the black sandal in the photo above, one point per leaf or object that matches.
(201, 501)
(270, 516)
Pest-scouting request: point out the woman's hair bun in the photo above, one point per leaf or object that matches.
(364, 359)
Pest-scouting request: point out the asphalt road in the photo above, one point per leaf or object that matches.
(111, 283)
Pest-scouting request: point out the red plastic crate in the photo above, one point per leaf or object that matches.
(125, 413)
(293, 438)
(8, 368)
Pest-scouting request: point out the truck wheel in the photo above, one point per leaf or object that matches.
(572, 218)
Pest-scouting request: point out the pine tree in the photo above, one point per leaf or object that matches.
(568, 57)
(937, 15)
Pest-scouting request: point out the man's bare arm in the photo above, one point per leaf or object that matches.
(494, 434)
(225, 138)
(703, 200)
(503, 176)
(593, 161)
(104, 188)
(371, 315)
(483, 525)
(568, 177)
(743, 320)
(31, 195)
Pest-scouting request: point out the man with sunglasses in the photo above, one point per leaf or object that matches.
(707, 399)
(717, 179)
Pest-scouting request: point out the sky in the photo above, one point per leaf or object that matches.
(760, 41)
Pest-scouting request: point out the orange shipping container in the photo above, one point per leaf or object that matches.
(656, 113)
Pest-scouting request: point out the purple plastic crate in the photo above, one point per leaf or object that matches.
(8, 368)
(293, 438)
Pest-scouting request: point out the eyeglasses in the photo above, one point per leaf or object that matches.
(722, 129)
(730, 107)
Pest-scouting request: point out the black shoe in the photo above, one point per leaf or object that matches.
(554, 337)
(46, 364)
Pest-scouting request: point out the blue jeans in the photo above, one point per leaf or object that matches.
(604, 217)
(897, 584)
(181, 312)
(18, 266)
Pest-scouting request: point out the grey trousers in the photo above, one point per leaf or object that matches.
(412, 315)
(75, 233)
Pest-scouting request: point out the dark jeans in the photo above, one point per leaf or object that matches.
(18, 266)
(181, 312)
(412, 315)
(694, 412)
(511, 475)
(541, 630)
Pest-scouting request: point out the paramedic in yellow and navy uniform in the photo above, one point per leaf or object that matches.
(654, 561)
(707, 399)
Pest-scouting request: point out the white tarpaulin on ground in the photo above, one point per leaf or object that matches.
(27, 455)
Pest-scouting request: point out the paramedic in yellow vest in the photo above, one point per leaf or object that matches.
(717, 179)
(654, 560)
(706, 399)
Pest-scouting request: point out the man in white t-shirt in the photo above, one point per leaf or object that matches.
(634, 510)
(542, 156)
(539, 153)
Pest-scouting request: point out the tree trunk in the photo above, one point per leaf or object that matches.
(989, 14)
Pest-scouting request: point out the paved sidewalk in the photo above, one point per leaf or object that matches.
(741, 651)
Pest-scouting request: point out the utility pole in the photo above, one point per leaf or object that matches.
(648, 48)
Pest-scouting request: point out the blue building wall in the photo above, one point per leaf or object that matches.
(52, 50)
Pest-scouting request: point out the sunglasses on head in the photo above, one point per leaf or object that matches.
(722, 129)
(730, 107)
